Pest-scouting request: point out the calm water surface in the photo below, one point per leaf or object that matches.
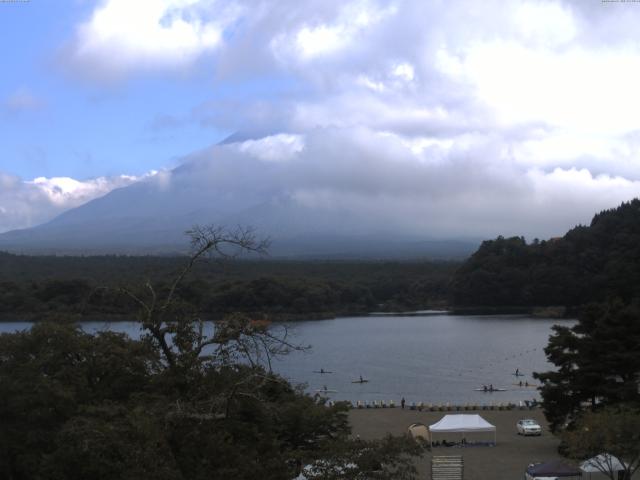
(431, 358)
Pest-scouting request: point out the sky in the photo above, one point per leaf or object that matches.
(479, 118)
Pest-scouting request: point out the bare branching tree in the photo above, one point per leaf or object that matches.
(190, 346)
(181, 334)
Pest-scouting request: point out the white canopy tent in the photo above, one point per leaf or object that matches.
(602, 463)
(461, 423)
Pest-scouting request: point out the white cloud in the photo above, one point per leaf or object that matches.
(545, 23)
(27, 203)
(274, 148)
(363, 179)
(124, 36)
(65, 191)
(583, 90)
(404, 71)
(371, 84)
(317, 39)
(487, 117)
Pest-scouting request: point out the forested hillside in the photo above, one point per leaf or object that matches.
(589, 264)
(48, 285)
(177, 403)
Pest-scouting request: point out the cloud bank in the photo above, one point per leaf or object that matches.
(456, 118)
(378, 182)
(123, 36)
(24, 204)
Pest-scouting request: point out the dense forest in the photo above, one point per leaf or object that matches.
(48, 286)
(591, 398)
(589, 264)
(175, 404)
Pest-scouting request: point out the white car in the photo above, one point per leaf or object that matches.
(528, 427)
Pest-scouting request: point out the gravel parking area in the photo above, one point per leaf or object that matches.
(507, 460)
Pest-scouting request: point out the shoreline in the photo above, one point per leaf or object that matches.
(446, 408)
(534, 312)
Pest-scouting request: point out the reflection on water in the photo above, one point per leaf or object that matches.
(433, 358)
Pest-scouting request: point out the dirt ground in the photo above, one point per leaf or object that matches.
(507, 460)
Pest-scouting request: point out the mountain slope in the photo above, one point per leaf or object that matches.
(151, 217)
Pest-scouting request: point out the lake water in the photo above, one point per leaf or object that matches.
(430, 358)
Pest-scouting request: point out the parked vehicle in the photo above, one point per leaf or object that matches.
(528, 426)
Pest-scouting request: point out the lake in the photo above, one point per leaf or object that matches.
(434, 358)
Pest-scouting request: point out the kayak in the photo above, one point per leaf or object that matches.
(321, 371)
(360, 381)
(489, 390)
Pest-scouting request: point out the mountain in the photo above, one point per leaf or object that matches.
(151, 216)
(588, 264)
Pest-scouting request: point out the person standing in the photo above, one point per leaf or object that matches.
(402, 403)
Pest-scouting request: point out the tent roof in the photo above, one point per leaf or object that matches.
(604, 460)
(462, 423)
(554, 468)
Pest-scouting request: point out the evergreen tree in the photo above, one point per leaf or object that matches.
(597, 360)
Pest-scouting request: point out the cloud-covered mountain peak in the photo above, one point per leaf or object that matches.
(341, 183)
